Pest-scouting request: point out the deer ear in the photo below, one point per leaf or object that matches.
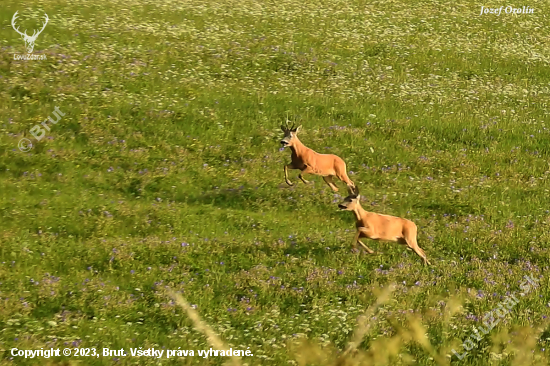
(283, 128)
(297, 129)
(358, 197)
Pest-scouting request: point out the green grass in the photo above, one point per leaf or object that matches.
(165, 173)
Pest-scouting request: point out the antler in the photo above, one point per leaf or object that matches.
(285, 125)
(43, 26)
(34, 35)
(293, 125)
(13, 25)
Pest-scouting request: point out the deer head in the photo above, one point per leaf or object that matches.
(290, 134)
(350, 203)
(29, 40)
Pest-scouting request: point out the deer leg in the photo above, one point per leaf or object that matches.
(368, 232)
(352, 189)
(343, 176)
(288, 166)
(410, 241)
(306, 170)
(328, 180)
(357, 241)
(369, 250)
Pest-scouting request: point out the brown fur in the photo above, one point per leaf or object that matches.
(381, 227)
(310, 162)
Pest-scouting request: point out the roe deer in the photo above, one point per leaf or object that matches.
(311, 162)
(381, 227)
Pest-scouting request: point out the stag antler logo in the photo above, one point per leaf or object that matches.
(29, 40)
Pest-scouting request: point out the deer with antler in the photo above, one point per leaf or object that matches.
(29, 40)
(311, 162)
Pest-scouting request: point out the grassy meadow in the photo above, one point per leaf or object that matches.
(165, 174)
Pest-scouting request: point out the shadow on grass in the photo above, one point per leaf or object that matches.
(238, 199)
(304, 250)
(449, 208)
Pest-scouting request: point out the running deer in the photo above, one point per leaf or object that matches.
(29, 40)
(381, 227)
(311, 162)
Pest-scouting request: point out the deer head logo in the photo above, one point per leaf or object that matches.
(29, 40)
